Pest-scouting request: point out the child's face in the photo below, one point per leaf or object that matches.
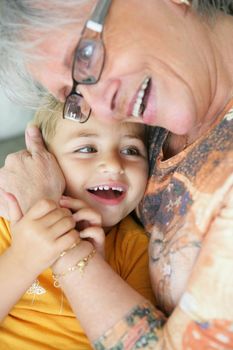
(104, 164)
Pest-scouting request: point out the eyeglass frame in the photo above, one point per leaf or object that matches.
(96, 24)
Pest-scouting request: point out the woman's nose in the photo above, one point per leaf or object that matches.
(103, 99)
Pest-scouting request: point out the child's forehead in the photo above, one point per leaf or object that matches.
(94, 125)
(133, 129)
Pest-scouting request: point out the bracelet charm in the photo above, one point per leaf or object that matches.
(79, 265)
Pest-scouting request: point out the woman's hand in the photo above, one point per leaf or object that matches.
(30, 175)
(89, 222)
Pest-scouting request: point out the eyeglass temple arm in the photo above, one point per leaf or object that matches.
(98, 16)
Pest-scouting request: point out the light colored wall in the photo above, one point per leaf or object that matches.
(13, 120)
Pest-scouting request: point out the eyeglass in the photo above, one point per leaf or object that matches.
(88, 63)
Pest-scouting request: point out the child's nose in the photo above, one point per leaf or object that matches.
(112, 165)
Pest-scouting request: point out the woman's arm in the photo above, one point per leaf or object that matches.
(115, 316)
(112, 312)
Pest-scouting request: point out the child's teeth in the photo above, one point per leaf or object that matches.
(107, 188)
(119, 189)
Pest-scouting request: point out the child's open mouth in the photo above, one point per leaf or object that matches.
(108, 193)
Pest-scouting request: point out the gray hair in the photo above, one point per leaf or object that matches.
(209, 7)
(18, 17)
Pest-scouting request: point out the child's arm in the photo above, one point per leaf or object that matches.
(118, 317)
(38, 238)
(89, 222)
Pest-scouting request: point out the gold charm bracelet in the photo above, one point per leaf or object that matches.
(80, 265)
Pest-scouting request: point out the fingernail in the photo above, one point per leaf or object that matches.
(63, 201)
(33, 131)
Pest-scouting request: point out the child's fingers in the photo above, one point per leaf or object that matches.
(62, 226)
(72, 203)
(95, 233)
(96, 236)
(54, 216)
(66, 241)
(88, 215)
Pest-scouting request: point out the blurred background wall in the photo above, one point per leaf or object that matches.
(13, 120)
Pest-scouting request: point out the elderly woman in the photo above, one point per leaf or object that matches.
(166, 63)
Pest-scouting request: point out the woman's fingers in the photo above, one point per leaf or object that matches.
(33, 140)
(14, 210)
(32, 174)
(41, 208)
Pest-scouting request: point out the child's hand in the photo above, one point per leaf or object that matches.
(89, 222)
(39, 237)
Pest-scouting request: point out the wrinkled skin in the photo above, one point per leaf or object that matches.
(47, 180)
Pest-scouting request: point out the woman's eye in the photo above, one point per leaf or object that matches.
(130, 151)
(85, 51)
(86, 149)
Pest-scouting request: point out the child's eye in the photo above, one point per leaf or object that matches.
(86, 149)
(130, 151)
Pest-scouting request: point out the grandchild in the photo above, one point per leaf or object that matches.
(105, 167)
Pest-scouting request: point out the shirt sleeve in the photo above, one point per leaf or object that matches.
(5, 237)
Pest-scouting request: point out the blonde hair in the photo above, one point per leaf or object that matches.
(51, 112)
(47, 118)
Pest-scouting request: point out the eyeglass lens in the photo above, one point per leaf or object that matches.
(76, 108)
(88, 62)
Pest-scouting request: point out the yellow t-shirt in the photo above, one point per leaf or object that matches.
(43, 319)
